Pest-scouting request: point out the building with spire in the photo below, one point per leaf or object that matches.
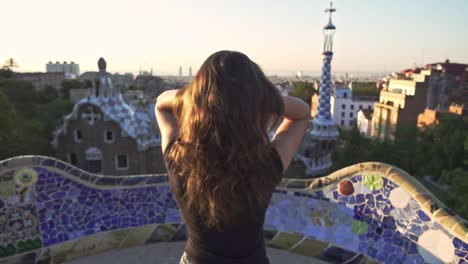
(320, 138)
(103, 134)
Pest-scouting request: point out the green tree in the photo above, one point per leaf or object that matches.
(22, 95)
(87, 84)
(465, 147)
(404, 147)
(49, 93)
(67, 85)
(28, 118)
(6, 74)
(457, 196)
(365, 89)
(9, 128)
(52, 112)
(303, 90)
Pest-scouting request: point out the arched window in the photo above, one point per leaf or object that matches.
(93, 157)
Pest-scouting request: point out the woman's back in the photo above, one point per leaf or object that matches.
(223, 167)
(241, 242)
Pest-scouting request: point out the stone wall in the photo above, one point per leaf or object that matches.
(51, 212)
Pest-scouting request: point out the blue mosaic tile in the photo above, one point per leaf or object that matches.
(360, 198)
(60, 165)
(71, 209)
(423, 216)
(335, 195)
(465, 246)
(388, 222)
(381, 256)
(48, 162)
(460, 253)
(320, 193)
(356, 179)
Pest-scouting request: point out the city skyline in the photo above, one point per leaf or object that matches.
(372, 36)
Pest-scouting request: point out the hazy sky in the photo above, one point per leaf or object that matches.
(283, 36)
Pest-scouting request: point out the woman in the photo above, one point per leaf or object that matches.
(222, 166)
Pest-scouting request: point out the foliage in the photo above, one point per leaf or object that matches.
(365, 89)
(48, 94)
(10, 126)
(67, 85)
(28, 118)
(303, 90)
(457, 196)
(87, 84)
(22, 95)
(10, 63)
(6, 73)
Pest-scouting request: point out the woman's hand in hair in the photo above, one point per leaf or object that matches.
(165, 100)
(290, 133)
(167, 122)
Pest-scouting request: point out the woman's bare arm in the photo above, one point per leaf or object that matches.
(289, 135)
(167, 122)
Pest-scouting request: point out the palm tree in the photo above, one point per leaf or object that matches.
(10, 63)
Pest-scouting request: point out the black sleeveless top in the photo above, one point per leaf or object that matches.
(239, 244)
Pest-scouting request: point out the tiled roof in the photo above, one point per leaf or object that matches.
(138, 123)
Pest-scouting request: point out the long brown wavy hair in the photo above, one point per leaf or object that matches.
(223, 149)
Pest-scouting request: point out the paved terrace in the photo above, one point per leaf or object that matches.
(169, 253)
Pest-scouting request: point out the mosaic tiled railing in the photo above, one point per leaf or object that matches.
(51, 212)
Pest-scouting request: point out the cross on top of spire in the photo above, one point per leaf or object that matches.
(330, 10)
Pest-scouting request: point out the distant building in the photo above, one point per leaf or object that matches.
(417, 96)
(180, 71)
(152, 86)
(400, 103)
(133, 97)
(458, 109)
(447, 82)
(345, 106)
(71, 70)
(364, 122)
(42, 79)
(105, 135)
(458, 70)
(122, 81)
(431, 117)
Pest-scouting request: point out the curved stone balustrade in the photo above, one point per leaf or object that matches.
(51, 211)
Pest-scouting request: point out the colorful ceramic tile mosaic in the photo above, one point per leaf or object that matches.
(369, 210)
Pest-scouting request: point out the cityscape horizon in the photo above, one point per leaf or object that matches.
(282, 38)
